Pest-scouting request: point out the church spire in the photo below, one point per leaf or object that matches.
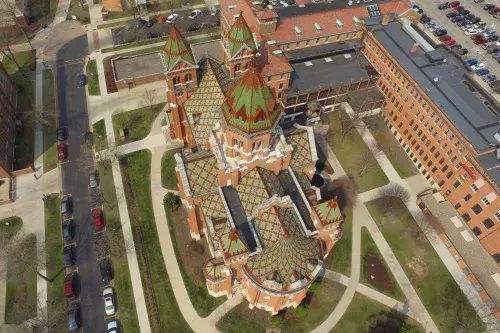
(239, 37)
(176, 50)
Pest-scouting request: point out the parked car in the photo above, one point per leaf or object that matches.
(171, 18)
(150, 23)
(456, 46)
(454, 4)
(464, 13)
(493, 49)
(458, 9)
(463, 23)
(450, 41)
(98, 219)
(457, 19)
(475, 20)
(215, 11)
(68, 230)
(93, 179)
(113, 327)
(451, 14)
(66, 206)
(140, 23)
(488, 6)
(109, 305)
(478, 66)
(445, 37)
(481, 40)
(493, 38)
(496, 56)
(480, 24)
(482, 72)
(161, 19)
(494, 11)
(471, 31)
(69, 256)
(152, 35)
(425, 19)
(443, 6)
(62, 134)
(489, 78)
(469, 16)
(106, 273)
(62, 151)
(74, 318)
(478, 1)
(440, 32)
(81, 79)
(463, 51)
(70, 285)
(471, 62)
(194, 14)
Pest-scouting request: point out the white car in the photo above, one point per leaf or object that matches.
(113, 326)
(194, 14)
(478, 67)
(109, 305)
(471, 32)
(171, 18)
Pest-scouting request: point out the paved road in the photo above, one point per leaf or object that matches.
(183, 23)
(430, 7)
(72, 110)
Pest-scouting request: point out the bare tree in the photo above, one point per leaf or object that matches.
(344, 189)
(35, 116)
(103, 158)
(348, 123)
(150, 99)
(367, 160)
(6, 42)
(394, 191)
(110, 244)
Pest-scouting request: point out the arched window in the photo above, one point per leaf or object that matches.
(179, 94)
(176, 80)
(237, 67)
(188, 77)
(247, 65)
(241, 144)
(235, 142)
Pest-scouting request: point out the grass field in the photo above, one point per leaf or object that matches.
(341, 252)
(81, 13)
(92, 78)
(10, 226)
(49, 131)
(351, 153)
(122, 282)
(56, 305)
(434, 284)
(138, 168)
(368, 245)
(136, 123)
(100, 135)
(364, 311)
(26, 60)
(168, 174)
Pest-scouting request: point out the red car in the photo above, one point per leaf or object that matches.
(161, 19)
(445, 37)
(454, 4)
(70, 285)
(458, 9)
(62, 151)
(493, 11)
(98, 219)
(479, 41)
(450, 41)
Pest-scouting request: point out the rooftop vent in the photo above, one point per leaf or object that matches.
(302, 6)
(317, 27)
(339, 23)
(256, 3)
(357, 21)
(271, 42)
(436, 79)
(277, 52)
(297, 30)
(231, 7)
(235, 16)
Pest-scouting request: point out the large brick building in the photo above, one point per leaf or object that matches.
(449, 129)
(8, 104)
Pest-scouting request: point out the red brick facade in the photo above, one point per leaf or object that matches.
(8, 104)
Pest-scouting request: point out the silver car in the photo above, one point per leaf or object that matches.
(93, 179)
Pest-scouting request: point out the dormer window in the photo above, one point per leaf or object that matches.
(297, 30)
(339, 24)
(317, 27)
(357, 21)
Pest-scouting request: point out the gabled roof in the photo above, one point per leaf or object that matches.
(329, 212)
(239, 37)
(112, 5)
(250, 105)
(201, 169)
(213, 269)
(301, 155)
(175, 50)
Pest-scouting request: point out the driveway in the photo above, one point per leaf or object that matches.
(475, 51)
(131, 33)
(72, 112)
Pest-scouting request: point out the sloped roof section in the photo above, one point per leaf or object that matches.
(202, 169)
(250, 105)
(213, 269)
(301, 155)
(240, 37)
(175, 50)
(213, 207)
(329, 212)
(112, 5)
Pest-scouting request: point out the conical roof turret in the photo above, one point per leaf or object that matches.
(176, 50)
(239, 37)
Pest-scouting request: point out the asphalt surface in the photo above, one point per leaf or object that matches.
(131, 33)
(475, 51)
(72, 112)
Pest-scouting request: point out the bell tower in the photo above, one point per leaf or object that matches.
(239, 47)
(180, 72)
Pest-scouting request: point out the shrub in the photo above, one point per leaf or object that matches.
(409, 328)
(172, 201)
(275, 321)
(301, 311)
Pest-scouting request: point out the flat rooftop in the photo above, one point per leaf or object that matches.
(213, 48)
(446, 82)
(323, 71)
(320, 7)
(137, 66)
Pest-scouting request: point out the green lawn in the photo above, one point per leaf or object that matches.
(136, 123)
(122, 283)
(168, 174)
(391, 147)
(241, 319)
(436, 287)
(341, 252)
(138, 168)
(81, 13)
(21, 295)
(351, 153)
(100, 135)
(55, 266)
(118, 15)
(364, 311)
(49, 132)
(10, 226)
(368, 245)
(92, 78)
(203, 302)
(25, 59)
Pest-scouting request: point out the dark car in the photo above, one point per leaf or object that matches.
(463, 51)
(66, 206)
(140, 23)
(70, 285)
(494, 11)
(488, 6)
(62, 151)
(62, 133)
(152, 35)
(451, 14)
(464, 12)
(469, 16)
(456, 46)
(458, 9)
(82, 80)
(443, 6)
(426, 19)
(440, 32)
(493, 38)
(69, 256)
(475, 20)
(495, 49)
(150, 23)
(457, 19)
(105, 268)
(74, 318)
(68, 230)
(454, 4)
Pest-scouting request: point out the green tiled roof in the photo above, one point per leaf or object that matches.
(202, 170)
(213, 207)
(205, 102)
(288, 255)
(301, 155)
(239, 37)
(232, 244)
(175, 49)
(213, 269)
(329, 212)
(250, 105)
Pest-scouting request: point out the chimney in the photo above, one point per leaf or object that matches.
(414, 48)
(385, 19)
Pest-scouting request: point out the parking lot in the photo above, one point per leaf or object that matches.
(132, 32)
(475, 51)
